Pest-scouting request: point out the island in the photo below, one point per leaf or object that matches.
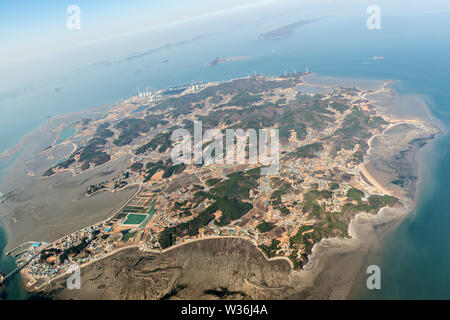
(218, 60)
(285, 31)
(336, 162)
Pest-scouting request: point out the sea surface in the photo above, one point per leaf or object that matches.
(414, 259)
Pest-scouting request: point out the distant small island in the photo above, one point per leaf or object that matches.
(218, 60)
(284, 31)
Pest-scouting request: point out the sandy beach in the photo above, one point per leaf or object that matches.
(337, 266)
(343, 261)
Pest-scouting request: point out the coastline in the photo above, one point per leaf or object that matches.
(365, 230)
(301, 284)
(387, 220)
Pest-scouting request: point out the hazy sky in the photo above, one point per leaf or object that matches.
(37, 27)
(32, 28)
(36, 30)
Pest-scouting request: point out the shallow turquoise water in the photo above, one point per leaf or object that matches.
(65, 134)
(414, 260)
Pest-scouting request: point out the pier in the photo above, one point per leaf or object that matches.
(20, 246)
(15, 271)
(4, 278)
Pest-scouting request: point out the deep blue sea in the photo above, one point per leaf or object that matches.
(414, 259)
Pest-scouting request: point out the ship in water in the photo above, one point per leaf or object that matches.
(372, 59)
(1, 198)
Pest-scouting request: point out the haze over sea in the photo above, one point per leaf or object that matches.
(414, 259)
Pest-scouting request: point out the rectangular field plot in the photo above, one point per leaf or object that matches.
(150, 214)
(134, 209)
(135, 218)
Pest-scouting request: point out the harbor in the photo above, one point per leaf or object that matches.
(11, 288)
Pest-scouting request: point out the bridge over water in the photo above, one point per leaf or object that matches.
(15, 271)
